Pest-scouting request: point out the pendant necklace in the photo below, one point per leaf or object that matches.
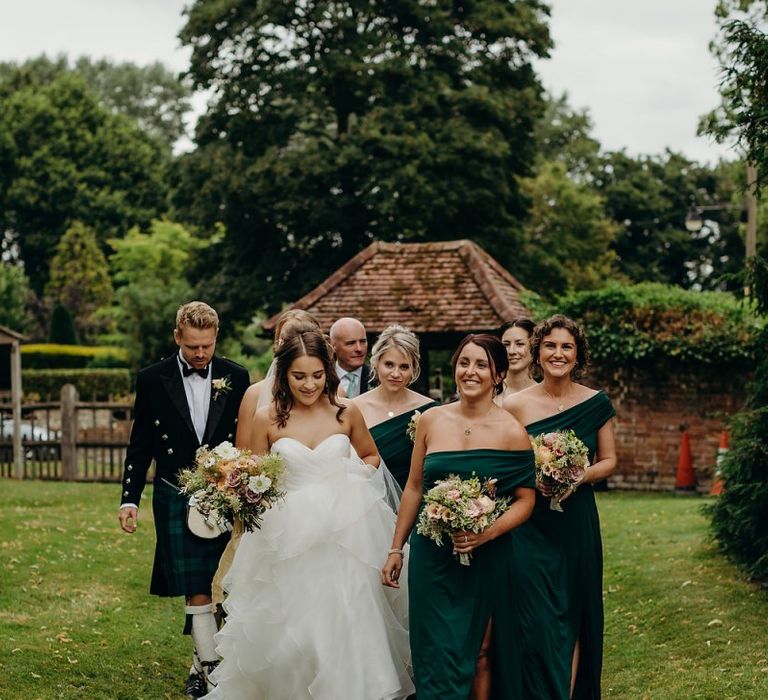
(468, 429)
(561, 404)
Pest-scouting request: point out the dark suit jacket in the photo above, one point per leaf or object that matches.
(162, 424)
(365, 376)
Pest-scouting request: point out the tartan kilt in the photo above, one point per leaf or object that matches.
(184, 563)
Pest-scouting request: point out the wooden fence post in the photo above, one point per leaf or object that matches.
(69, 399)
(18, 448)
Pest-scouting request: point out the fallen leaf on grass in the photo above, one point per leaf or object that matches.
(686, 583)
(35, 675)
(714, 622)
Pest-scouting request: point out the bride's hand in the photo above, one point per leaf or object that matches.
(390, 572)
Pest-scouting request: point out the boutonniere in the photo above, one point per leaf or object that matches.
(221, 385)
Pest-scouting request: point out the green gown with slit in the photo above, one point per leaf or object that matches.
(450, 604)
(394, 445)
(559, 572)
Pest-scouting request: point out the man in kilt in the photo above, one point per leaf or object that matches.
(183, 402)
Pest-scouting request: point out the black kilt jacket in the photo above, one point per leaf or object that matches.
(163, 432)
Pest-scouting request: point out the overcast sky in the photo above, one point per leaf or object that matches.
(641, 67)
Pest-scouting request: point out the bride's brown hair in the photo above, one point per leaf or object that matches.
(312, 343)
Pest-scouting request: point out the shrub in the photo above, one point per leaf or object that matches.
(61, 356)
(92, 384)
(738, 515)
(62, 330)
(648, 322)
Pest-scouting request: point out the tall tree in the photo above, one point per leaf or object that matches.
(649, 197)
(79, 279)
(738, 515)
(14, 297)
(63, 158)
(151, 271)
(336, 123)
(566, 240)
(151, 95)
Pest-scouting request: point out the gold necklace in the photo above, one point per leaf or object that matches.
(561, 405)
(468, 429)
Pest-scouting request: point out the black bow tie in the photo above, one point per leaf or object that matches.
(187, 371)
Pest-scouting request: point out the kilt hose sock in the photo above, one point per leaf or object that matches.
(201, 624)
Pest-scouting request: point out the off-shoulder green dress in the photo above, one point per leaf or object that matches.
(559, 575)
(450, 604)
(394, 445)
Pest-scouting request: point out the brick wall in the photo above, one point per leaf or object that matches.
(653, 403)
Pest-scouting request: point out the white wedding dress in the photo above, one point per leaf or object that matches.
(307, 615)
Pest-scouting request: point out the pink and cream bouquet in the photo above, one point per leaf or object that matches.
(561, 460)
(460, 505)
(228, 482)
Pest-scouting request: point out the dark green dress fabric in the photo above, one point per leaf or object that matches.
(559, 573)
(450, 604)
(394, 445)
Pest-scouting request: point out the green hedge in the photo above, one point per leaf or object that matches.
(58, 356)
(92, 384)
(649, 321)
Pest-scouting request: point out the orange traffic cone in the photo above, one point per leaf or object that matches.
(685, 480)
(717, 482)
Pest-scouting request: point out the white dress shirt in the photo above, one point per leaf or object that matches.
(198, 391)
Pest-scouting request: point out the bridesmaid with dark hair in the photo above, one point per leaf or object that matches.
(516, 338)
(559, 572)
(390, 407)
(464, 620)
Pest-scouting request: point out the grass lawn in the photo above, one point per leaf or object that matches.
(76, 620)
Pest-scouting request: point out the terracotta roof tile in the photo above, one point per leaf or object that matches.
(451, 286)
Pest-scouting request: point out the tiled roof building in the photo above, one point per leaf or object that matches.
(441, 291)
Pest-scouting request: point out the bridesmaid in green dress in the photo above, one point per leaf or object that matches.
(464, 620)
(389, 408)
(560, 556)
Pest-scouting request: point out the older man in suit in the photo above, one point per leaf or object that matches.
(350, 344)
(185, 401)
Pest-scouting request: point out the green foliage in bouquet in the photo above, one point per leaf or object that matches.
(648, 322)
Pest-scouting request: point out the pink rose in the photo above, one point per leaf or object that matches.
(252, 497)
(233, 479)
(454, 495)
(473, 509)
(549, 439)
(433, 511)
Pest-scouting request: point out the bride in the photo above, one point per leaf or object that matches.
(307, 617)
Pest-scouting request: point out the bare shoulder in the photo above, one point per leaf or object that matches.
(584, 392)
(255, 389)
(515, 403)
(264, 416)
(436, 413)
(514, 433)
(416, 399)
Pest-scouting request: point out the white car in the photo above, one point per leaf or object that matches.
(30, 434)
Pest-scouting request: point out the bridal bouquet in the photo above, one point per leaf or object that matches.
(228, 482)
(561, 460)
(455, 505)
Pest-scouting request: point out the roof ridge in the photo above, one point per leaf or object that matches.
(473, 256)
(336, 278)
